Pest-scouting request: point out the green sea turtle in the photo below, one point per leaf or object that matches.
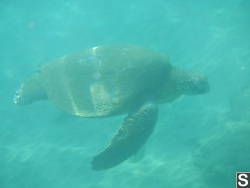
(111, 80)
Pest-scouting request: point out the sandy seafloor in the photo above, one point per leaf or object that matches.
(199, 142)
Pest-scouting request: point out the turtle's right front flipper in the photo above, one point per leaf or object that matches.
(30, 91)
(131, 136)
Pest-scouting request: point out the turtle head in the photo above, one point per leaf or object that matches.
(190, 83)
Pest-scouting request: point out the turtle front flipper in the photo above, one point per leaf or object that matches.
(131, 136)
(30, 91)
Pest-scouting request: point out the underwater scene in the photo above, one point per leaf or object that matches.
(138, 94)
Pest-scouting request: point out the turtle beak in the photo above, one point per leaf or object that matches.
(202, 86)
(197, 85)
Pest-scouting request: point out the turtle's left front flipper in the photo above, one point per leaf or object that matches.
(131, 136)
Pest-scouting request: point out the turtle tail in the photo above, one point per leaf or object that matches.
(30, 91)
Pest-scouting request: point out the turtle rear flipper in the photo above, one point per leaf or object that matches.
(30, 91)
(131, 136)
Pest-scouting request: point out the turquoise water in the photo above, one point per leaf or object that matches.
(199, 142)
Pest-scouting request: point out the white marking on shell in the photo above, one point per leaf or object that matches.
(94, 49)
